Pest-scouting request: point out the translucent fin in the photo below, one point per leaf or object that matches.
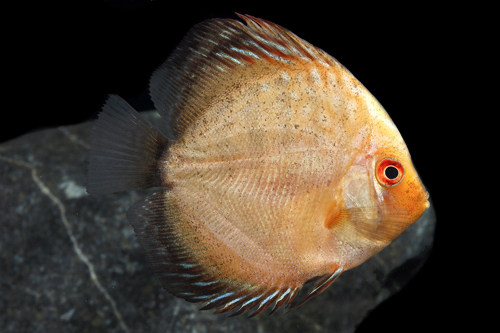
(319, 287)
(355, 224)
(267, 301)
(282, 299)
(125, 150)
(218, 55)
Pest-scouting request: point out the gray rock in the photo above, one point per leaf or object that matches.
(71, 262)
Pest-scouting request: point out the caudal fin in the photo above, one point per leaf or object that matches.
(125, 150)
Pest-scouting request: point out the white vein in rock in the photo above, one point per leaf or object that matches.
(45, 190)
(73, 137)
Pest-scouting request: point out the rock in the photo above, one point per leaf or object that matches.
(71, 262)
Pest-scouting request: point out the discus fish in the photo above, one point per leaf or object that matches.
(278, 168)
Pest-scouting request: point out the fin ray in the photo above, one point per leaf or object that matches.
(217, 55)
(125, 150)
(319, 287)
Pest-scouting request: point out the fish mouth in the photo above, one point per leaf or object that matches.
(427, 204)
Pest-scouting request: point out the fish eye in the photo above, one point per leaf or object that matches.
(390, 172)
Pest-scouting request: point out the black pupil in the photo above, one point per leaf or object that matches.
(391, 172)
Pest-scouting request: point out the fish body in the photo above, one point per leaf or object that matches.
(279, 168)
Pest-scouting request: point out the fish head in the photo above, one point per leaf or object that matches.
(381, 194)
(398, 191)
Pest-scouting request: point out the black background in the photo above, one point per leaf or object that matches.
(62, 60)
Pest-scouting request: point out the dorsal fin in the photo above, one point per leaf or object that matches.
(218, 55)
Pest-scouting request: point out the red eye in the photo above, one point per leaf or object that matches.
(390, 172)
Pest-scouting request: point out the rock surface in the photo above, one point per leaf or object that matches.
(71, 262)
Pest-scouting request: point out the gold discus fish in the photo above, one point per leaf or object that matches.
(279, 168)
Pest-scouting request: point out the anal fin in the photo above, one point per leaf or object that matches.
(319, 287)
(187, 261)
